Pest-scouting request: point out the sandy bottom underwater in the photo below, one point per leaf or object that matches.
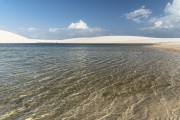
(89, 82)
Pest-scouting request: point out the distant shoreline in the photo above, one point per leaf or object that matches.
(165, 43)
(146, 44)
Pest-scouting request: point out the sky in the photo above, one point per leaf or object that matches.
(60, 19)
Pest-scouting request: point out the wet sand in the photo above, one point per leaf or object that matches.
(171, 47)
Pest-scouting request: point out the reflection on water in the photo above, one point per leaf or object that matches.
(88, 82)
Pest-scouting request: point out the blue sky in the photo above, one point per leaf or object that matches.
(59, 19)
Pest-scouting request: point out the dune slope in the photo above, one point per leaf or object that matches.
(8, 37)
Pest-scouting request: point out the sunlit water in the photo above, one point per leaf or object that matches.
(88, 82)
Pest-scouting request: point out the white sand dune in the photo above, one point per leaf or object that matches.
(8, 37)
(121, 39)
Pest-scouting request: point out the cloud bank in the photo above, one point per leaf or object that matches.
(75, 29)
(171, 19)
(167, 25)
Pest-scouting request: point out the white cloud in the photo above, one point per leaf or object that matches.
(53, 30)
(138, 15)
(32, 29)
(171, 19)
(158, 23)
(81, 25)
(173, 8)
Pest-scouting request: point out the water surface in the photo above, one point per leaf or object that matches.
(88, 82)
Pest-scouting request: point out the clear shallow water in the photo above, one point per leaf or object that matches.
(88, 82)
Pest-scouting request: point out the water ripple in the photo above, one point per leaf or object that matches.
(74, 82)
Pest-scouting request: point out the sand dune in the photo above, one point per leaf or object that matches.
(8, 37)
(121, 39)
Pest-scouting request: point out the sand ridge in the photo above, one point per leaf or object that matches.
(8, 37)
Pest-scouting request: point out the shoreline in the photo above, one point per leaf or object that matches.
(170, 47)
